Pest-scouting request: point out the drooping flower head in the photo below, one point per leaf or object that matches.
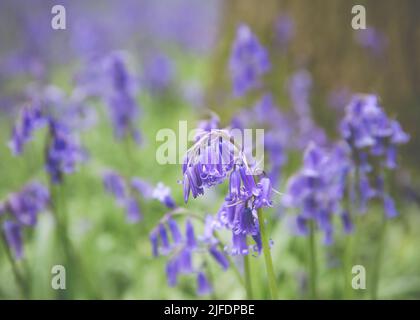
(63, 152)
(30, 119)
(122, 105)
(214, 158)
(373, 139)
(248, 61)
(184, 250)
(317, 189)
(21, 210)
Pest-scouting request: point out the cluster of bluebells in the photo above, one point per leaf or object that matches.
(317, 190)
(248, 61)
(215, 158)
(63, 150)
(122, 105)
(158, 73)
(30, 119)
(185, 250)
(20, 210)
(126, 193)
(373, 139)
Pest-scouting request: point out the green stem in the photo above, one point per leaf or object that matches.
(312, 261)
(347, 258)
(378, 260)
(247, 271)
(267, 257)
(16, 273)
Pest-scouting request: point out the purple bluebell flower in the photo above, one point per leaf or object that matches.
(299, 87)
(163, 194)
(373, 139)
(154, 240)
(26, 204)
(132, 210)
(284, 30)
(164, 239)
(123, 109)
(115, 185)
(22, 209)
(190, 235)
(30, 119)
(175, 232)
(203, 285)
(248, 61)
(13, 235)
(144, 188)
(172, 273)
(184, 261)
(373, 40)
(63, 153)
(219, 257)
(158, 73)
(389, 207)
(317, 190)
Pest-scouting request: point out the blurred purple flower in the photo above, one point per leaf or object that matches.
(373, 40)
(203, 285)
(284, 30)
(30, 119)
(248, 61)
(123, 108)
(13, 235)
(22, 209)
(115, 185)
(317, 190)
(63, 152)
(158, 73)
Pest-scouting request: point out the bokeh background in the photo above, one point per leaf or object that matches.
(178, 54)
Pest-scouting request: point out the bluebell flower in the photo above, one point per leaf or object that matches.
(190, 235)
(373, 139)
(13, 235)
(115, 185)
(175, 232)
(158, 73)
(203, 285)
(248, 61)
(183, 250)
(26, 204)
(123, 109)
(21, 210)
(30, 119)
(219, 257)
(163, 194)
(373, 40)
(284, 30)
(299, 87)
(132, 210)
(63, 153)
(317, 190)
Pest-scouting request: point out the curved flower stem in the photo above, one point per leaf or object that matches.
(247, 272)
(312, 261)
(267, 257)
(378, 260)
(16, 273)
